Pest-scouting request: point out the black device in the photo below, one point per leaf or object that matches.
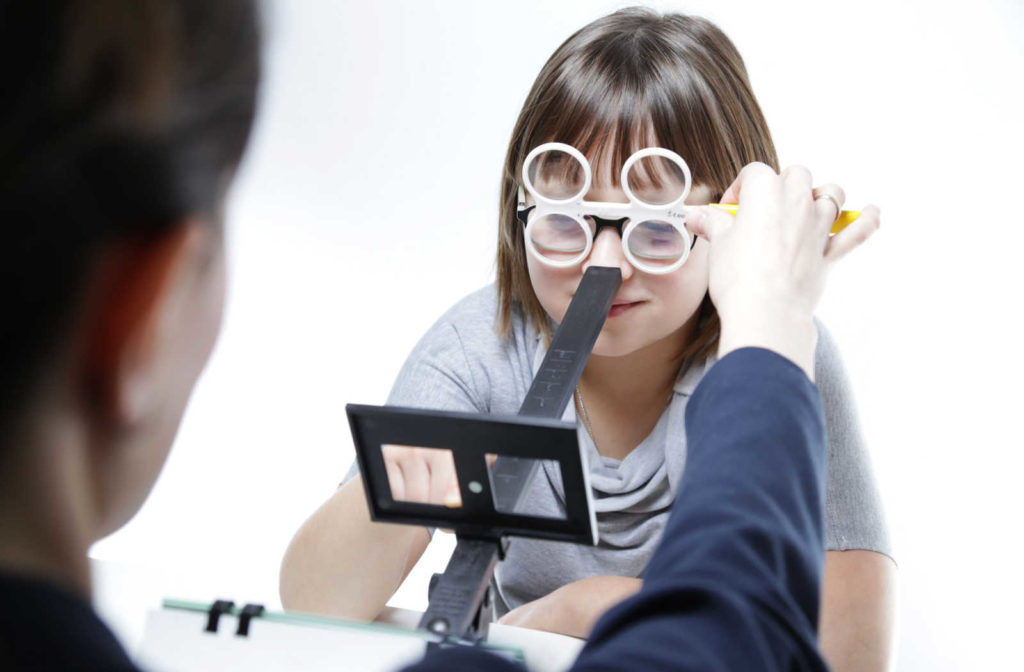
(495, 459)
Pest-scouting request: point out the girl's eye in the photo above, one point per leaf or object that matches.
(660, 228)
(657, 240)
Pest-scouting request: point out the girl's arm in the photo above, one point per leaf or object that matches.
(342, 564)
(574, 608)
(858, 611)
(858, 598)
(339, 562)
(857, 616)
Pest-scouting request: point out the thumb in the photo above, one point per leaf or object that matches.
(708, 222)
(453, 498)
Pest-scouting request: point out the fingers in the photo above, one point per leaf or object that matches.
(453, 498)
(854, 235)
(828, 202)
(422, 475)
(394, 473)
(444, 484)
(732, 194)
(797, 176)
(833, 190)
(707, 222)
(416, 476)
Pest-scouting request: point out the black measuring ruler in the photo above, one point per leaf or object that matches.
(459, 602)
(553, 386)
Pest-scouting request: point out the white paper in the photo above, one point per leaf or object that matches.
(175, 641)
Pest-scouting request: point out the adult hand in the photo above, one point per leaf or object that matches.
(767, 265)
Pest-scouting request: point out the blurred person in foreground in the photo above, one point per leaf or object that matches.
(122, 126)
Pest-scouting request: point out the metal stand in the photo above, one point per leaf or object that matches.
(460, 601)
(460, 606)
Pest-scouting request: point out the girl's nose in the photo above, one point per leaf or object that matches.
(607, 251)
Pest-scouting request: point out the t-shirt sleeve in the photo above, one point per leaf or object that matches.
(436, 375)
(854, 517)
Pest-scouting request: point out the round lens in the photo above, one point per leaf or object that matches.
(556, 175)
(557, 238)
(656, 180)
(657, 245)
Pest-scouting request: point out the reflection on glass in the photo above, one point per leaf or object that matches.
(657, 243)
(422, 475)
(656, 180)
(557, 175)
(558, 237)
(510, 478)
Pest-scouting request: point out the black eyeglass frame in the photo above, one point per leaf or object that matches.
(523, 215)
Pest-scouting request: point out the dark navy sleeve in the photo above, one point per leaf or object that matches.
(734, 584)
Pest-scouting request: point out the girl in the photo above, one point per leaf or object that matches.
(625, 82)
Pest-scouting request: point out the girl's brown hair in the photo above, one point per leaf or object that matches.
(629, 79)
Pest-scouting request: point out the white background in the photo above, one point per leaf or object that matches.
(367, 206)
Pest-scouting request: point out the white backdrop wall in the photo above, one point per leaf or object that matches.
(366, 206)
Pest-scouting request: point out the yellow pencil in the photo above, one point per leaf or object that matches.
(845, 217)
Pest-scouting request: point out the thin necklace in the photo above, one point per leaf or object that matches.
(585, 417)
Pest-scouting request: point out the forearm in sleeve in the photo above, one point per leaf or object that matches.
(734, 584)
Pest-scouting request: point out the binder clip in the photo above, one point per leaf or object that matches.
(249, 612)
(217, 609)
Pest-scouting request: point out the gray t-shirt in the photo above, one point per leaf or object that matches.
(462, 364)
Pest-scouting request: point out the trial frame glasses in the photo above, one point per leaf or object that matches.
(561, 225)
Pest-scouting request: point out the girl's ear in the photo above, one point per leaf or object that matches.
(131, 304)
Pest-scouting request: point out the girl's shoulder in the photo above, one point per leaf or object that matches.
(476, 309)
(474, 320)
(467, 334)
(828, 364)
(827, 359)
(463, 363)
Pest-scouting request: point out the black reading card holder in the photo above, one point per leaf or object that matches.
(460, 604)
(227, 608)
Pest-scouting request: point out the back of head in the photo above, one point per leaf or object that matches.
(120, 118)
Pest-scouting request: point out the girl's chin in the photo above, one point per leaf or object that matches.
(612, 346)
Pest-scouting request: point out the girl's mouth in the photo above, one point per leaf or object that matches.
(620, 308)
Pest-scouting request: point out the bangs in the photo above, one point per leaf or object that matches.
(621, 97)
(628, 81)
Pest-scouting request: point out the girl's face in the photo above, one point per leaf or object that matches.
(648, 309)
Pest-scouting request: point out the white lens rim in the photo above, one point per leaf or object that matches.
(557, 147)
(588, 236)
(637, 210)
(665, 154)
(654, 270)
